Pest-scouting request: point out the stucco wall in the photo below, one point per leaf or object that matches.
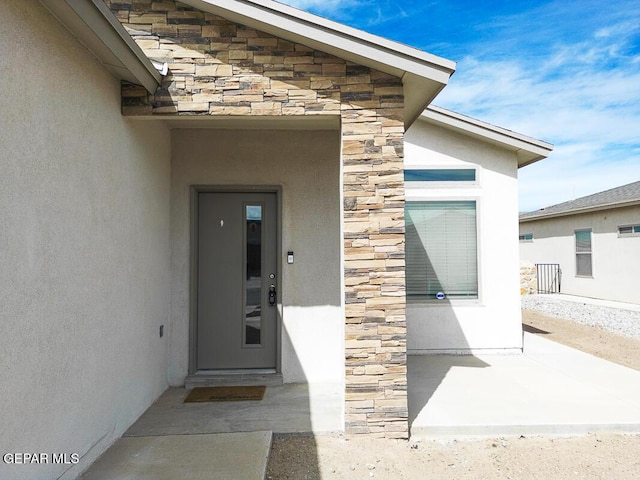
(616, 260)
(307, 167)
(84, 249)
(493, 322)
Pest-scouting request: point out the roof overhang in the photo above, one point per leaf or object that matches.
(248, 122)
(527, 149)
(423, 75)
(541, 215)
(95, 26)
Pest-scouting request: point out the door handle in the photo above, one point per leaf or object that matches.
(272, 295)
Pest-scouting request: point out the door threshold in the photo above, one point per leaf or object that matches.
(233, 378)
(237, 371)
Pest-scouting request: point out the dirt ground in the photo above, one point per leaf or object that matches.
(598, 456)
(610, 346)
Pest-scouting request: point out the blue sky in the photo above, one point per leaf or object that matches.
(563, 71)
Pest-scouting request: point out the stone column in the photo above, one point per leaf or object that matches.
(376, 358)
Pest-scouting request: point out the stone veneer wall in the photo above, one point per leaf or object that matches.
(528, 278)
(217, 67)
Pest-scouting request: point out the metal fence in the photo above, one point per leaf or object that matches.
(549, 277)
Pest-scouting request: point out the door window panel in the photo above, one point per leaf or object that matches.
(253, 283)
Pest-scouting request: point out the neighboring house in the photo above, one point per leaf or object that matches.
(222, 186)
(595, 240)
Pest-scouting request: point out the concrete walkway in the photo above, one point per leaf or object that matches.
(221, 440)
(550, 389)
(227, 456)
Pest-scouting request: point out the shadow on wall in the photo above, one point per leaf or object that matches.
(306, 165)
(284, 410)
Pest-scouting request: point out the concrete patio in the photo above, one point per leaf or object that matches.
(548, 390)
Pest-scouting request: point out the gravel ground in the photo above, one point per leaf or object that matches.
(605, 332)
(624, 322)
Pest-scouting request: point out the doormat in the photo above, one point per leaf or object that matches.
(225, 394)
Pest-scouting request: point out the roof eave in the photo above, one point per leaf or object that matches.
(418, 95)
(577, 211)
(528, 150)
(423, 75)
(95, 26)
(526, 157)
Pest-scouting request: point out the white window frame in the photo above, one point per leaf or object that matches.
(635, 231)
(590, 252)
(412, 184)
(457, 198)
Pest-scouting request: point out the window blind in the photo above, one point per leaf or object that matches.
(583, 253)
(441, 249)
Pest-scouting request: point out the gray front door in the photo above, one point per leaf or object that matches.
(237, 288)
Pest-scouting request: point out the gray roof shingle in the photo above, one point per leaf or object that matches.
(613, 197)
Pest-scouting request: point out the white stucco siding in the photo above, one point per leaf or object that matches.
(306, 165)
(493, 322)
(84, 249)
(615, 259)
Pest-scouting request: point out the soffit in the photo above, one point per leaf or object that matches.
(93, 24)
(310, 122)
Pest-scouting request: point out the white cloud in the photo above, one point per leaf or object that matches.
(564, 176)
(584, 98)
(363, 14)
(560, 71)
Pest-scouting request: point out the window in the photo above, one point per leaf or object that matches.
(527, 237)
(629, 231)
(441, 249)
(583, 253)
(441, 175)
